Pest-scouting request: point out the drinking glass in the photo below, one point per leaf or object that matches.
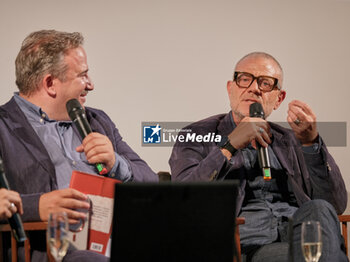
(311, 240)
(57, 235)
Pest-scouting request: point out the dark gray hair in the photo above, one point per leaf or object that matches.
(42, 53)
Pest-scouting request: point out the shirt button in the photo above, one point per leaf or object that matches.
(74, 163)
(43, 115)
(41, 120)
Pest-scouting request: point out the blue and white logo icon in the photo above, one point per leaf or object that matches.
(152, 134)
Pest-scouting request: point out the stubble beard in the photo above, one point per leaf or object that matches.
(238, 115)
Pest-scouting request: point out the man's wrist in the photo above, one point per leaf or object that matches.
(311, 142)
(225, 145)
(226, 154)
(312, 148)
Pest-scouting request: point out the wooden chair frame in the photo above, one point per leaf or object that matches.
(28, 226)
(239, 221)
(344, 219)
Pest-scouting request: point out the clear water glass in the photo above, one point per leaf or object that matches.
(311, 240)
(57, 235)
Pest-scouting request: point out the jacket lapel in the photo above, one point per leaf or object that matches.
(18, 124)
(225, 126)
(288, 151)
(284, 152)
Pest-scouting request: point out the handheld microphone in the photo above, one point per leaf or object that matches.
(77, 114)
(14, 221)
(256, 110)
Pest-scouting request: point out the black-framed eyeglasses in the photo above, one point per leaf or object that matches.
(265, 83)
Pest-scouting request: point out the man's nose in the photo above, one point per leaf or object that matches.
(89, 84)
(254, 86)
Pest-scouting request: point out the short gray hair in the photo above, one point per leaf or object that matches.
(42, 52)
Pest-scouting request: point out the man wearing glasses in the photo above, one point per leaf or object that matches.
(305, 181)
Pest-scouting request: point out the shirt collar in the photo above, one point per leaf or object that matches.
(232, 121)
(33, 112)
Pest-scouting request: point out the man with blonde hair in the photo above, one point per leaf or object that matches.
(40, 146)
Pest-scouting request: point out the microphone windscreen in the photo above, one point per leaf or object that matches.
(256, 110)
(73, 108)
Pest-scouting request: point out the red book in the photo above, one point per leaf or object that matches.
(101, 192)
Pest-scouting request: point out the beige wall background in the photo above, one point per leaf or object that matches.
(167, 60)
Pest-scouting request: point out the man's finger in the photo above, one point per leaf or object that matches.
(302, 106)
(74, 204)
(80, 148)
(72, 193)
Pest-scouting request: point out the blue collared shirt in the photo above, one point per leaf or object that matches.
(60, 141)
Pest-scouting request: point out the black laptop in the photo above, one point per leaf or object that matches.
(174, 222)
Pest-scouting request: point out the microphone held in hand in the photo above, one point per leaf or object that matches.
(256, 110)
(77, 114)
(14, 221)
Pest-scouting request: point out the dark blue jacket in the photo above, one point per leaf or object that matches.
(311, 177)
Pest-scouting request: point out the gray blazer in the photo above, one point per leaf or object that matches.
(30, 170)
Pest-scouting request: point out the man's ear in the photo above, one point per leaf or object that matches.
(49, 85)
(229, 88)
(280, 98)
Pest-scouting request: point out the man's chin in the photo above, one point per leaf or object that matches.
(82, 100)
